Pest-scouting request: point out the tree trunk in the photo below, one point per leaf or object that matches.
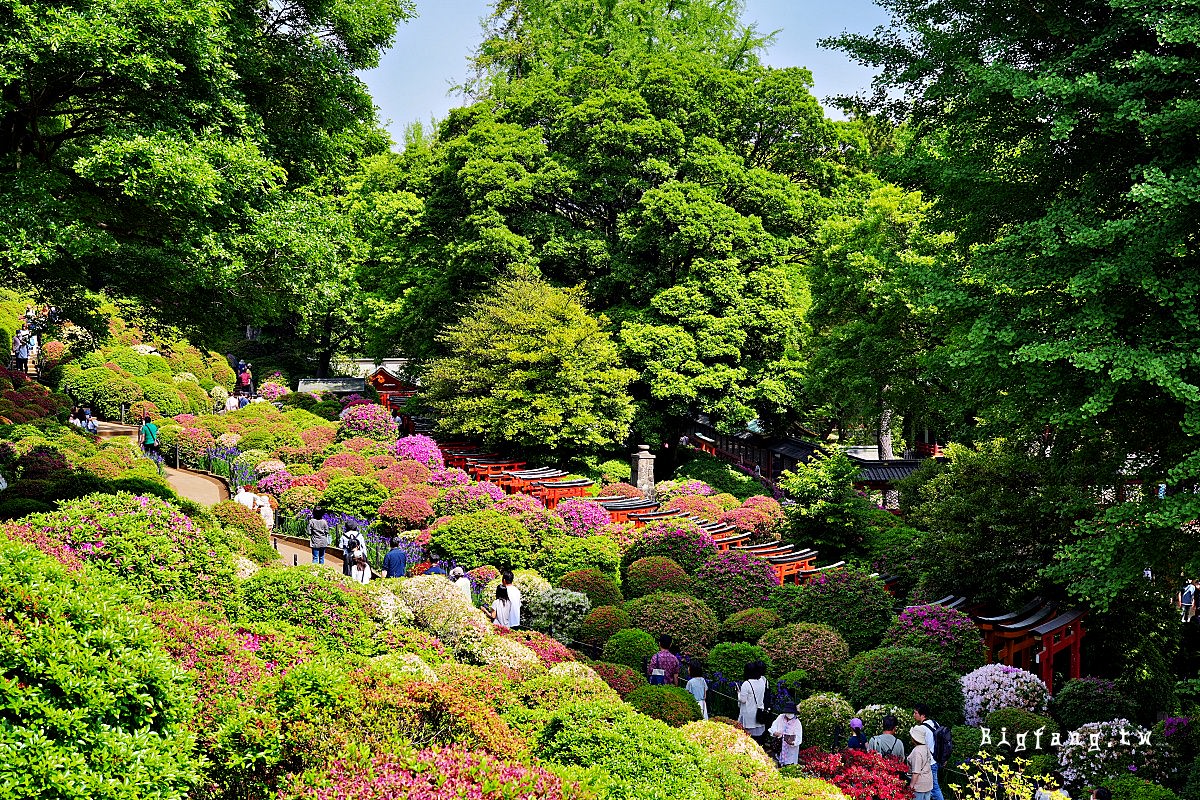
(885, 434)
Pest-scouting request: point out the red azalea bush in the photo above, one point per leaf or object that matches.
(767, 505)
(359, 443)
(351, 461)
(405, 512)
(621, 490)
(382, 462)
(620, 678)
(548, 649)
(142, 409)
(749, 520)
(696, 505)
(317, 438)
(655, 574)
(689, 622)
(517, 504)
(42, 462)
(481, 576)
(316, 480)
(194, 444)
(816, 649)
(601, 623)
(733, 581)
(598, 587)
(447, 774)
(861, 775)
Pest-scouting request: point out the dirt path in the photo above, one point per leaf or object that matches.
(195, 487)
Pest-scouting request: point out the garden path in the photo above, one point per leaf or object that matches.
(196, 487)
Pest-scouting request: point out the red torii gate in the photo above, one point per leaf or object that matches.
(1031, 637)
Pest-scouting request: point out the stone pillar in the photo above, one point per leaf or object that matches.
(643, 470)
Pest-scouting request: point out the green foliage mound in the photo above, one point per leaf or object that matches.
(669, 704)
(559, 555)
(637, 757)
(1084, 700)
(598, 587)
(727, 660)
(484, 537)
(749, 625)
(849, 600)
(825, 717)
(904, 676)
(93, 707)
(816, 649)
(356, 496)
(655, 574)
(314, 599)
(689, 622)
(631, 647)
(601, 623)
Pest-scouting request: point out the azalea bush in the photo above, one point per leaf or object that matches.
(1083, 764)
(559, 555)
(861, 775)
(727, 660)
(598, 587)
(631, 647)
(369, 420)
(995, 686)
(816, 649)
(852, 601)
(733, 581)
(423, 450)
(272, 391)
(314, 599)
(557, 612)
(826, 719)
(748, 625)
(1089, 699)
(582, 517)
(691, 624)
(905, 676)
(601, 623)
(946, 631)
(358, 497)
(467, 498)
(670, 704)
(404, 512)
(655, 574)
(621, 678)
(681, 541)
(548, 650)
(483, 537)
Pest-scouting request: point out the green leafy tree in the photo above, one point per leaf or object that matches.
(827, 510)
(529, 365)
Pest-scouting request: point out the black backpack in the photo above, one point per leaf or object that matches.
(943, 742)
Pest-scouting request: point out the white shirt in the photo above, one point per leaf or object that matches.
(788, 725)
(503, 611)
(264, 509)
(361, 574)
(752, 695)
(464, 585)
(231, 403)
(514, 601)
(245, 498)
(698, 688)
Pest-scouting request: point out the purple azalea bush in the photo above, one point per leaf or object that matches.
(369, 420)
(420, 448)
(468, 498)
(732, 581)
(946, 631)
(996, 686)
(583, 517)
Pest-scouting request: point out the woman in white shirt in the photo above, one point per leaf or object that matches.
(787, 728)
(263, 504)
(752, 695)
(501, 608)
(360, 570)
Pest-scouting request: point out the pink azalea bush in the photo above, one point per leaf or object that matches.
(267, 467)
(465, 499)
(733, 581)
(517, 504)
(665, 490)
(420, 448)
(272, 391)
(275, 483)
(405, 511)
(351, 461)
(448, 476)
(947, 632)
(194, 443)
(583, 517)
(996, 686)
(449, 774)
(370, 420)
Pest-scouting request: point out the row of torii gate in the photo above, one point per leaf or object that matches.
(1032, 638)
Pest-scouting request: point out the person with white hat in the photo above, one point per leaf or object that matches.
(790, 731)
(920, 764)
(458, 576)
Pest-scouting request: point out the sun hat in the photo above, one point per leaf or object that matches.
(917, 732)
(856, 724)
(457, 572)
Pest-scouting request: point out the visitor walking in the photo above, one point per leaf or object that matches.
(1187, 600)
(514, 595)
(351, 543)
(921, 715)
(887, 743)
(501, 607)
(663, 667)
(148, 437)
(788, 729)
(697, 687)
(20, 350)
(752, 697)
(458, 576)
(318, 537)
(858, 740)
(262, 502)
(922, 769)
(360, 570)
(395, 563)
(246, 381)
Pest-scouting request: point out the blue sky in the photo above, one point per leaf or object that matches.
(430, 54)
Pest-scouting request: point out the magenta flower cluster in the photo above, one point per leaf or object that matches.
(273, 391)
(276, 483)
(583, 517)
(449, 476)
(472, 497)
(732, 581)
(369, 420)
(420, 448)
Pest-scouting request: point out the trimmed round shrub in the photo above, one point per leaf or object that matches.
(816, 649)
(872, 719)
(826, 718)
(1018, 721)
(905, 676)
(619, 677)
(631, 647)
(405, 512)
(1130, 787)
(796, 683)
(947, 632)
(298, 498)
(562, 554)
(22, 506)
(94, 707)
(851, 601)
(689, 622)
(582, 517)
(727, 660)
(601, 623)
(314, 599)
(367, 420)
(669, 704)
(598, 587)
(552, 692)
(996, 686)
(421, 449)
(357, 497)
(483, 537)
(1084, 700)
(708, 508)
(1083, 764)
(679, 540)
(733, 581)
(468, 498)
(236, 515)
(557, 612)
(633, 756)
(655, 574)
(749, 625)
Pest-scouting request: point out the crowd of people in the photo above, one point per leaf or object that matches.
(34, 322)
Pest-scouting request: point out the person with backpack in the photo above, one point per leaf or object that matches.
(938, 741)
(858, 739)
(351, 543)
(663, 667)
(1187, 601)
(922, 769)
(887, 743)
(752, 700)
